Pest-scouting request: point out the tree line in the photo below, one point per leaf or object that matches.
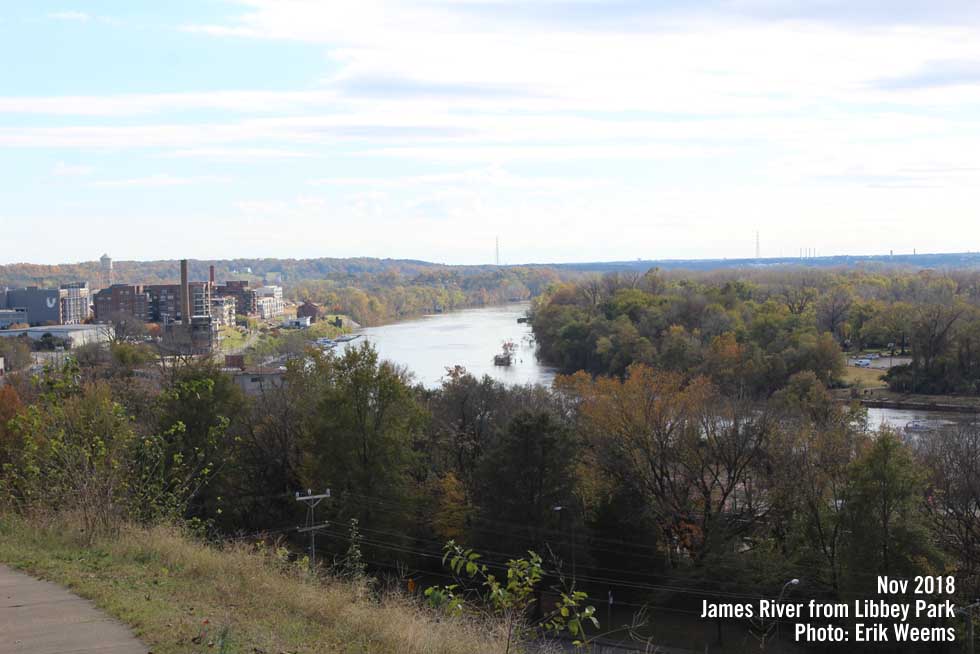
(372, 299)
(750, 332)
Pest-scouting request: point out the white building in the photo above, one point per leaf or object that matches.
(269, 302)
(223, 310)
(75, 334)
(301, 322)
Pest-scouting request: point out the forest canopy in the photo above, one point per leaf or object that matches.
(750, 333)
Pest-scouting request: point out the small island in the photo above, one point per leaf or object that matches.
(506, 356)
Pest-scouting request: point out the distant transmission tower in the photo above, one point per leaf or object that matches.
(498, 251)
(756, 244)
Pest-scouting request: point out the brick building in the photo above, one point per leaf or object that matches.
(122, 299)
(246, 299)
(165, 301)
(309, 310)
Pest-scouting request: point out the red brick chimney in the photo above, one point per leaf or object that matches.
(185, 293)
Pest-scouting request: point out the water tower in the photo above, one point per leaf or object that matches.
(105, 267)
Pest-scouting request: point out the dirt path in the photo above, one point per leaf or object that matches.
(38, 617)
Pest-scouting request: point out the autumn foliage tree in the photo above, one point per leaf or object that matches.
(683, 446)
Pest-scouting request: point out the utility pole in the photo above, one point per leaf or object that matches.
(311, 526)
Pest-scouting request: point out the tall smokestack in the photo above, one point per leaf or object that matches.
(185, 293)
(211, 274)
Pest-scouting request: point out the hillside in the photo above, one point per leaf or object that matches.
(183, 597)
(359, 268)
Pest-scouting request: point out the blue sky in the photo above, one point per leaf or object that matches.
(573, 129)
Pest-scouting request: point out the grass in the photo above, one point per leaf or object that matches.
(182, 596)
(322, 328)
(864, 377)
(231, 339)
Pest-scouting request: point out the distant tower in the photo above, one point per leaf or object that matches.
(498, 251)
(105, 268)
(756, 244)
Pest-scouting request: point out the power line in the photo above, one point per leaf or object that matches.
(555, 537)
(311, 527)
(558, 536)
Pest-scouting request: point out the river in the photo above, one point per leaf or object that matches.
(918, 421)
(469, 337)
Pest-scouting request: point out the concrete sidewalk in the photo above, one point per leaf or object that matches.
(38, 617)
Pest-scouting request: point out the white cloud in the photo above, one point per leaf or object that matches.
(239, 154)
(134, 104)
(493, 177)
(159, 181)
(69, 16)
(61, 169)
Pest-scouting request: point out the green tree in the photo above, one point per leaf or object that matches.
(362, 434)
(884, 505)
(198, 413)
(529, 471)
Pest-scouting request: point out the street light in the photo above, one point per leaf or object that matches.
(967, 612)
(791, 582)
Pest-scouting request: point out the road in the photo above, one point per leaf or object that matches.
(38, 617)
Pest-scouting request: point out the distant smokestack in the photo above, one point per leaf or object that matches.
(185, 293)
(211, 274)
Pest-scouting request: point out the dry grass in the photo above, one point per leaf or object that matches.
(182, 596)
(864, 377)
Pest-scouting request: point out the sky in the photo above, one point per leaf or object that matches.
(573, 130)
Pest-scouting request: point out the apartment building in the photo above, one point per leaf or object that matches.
(122, 299)
(245, 297)
(76, 303)
(165, 301)
(269, 302)
(223, 310)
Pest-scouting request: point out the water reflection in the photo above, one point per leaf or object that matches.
(913, 421)
(470, 338)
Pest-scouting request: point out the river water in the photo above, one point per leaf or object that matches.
(470, 338)
(918, 421)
